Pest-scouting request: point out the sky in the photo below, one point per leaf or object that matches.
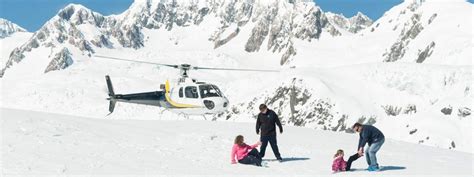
(374, 9)
(32, 14)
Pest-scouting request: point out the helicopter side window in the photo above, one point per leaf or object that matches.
(209, 91)
(191, 92)
(181, 92)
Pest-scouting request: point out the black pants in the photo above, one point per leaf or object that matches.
(253, 158)
(273, 143)
(350, 160)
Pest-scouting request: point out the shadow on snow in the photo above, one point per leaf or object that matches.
(289, 159)
(388, 168)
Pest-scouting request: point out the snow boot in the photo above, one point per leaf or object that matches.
(373, 169)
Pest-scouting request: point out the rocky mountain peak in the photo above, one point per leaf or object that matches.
(353, 24)
(77, 14)
(7, 28)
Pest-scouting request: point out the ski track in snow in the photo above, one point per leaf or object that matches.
(46, 144)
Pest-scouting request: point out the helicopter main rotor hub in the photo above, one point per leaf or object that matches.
(184, 68)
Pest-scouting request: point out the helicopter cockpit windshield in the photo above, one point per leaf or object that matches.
(209, 91)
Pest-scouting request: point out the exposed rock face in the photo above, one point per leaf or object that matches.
(432, 18)
(422, 55)
(464, 112)
(447, 110)
(286, 56)
(218, 43)
(392, 110)
(60, 61)
(411, 29)
(259, 33)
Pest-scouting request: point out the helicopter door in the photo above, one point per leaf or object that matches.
(189, 95)
(192, 95)
(191, 92)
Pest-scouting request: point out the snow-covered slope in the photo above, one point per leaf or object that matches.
(11, 36)
(336, 79)
(37, 143)
(9, 43)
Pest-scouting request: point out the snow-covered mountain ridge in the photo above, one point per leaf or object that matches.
(7, 28)
(86, 30)
(353, 24)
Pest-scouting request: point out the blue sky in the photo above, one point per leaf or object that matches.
(372, 8)
(32, 14)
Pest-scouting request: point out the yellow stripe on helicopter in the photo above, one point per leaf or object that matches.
(177, 105)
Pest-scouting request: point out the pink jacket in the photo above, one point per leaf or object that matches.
(240, 151)
(339, 164)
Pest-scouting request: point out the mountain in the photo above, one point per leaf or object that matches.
(409, 73)
(7, 28)
(353, 24)
(78, 27)
(70, 145)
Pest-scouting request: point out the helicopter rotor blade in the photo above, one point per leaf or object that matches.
(136, 61)
(235, 69)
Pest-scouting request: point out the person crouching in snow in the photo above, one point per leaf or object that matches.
(245, 154)
(339, 164)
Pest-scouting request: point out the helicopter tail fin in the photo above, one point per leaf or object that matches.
(109, 86)
(112, 106)
(111, 98)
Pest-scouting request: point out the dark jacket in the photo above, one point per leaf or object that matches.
(266, 122)
(369, 134)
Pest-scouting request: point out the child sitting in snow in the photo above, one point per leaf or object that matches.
(245, 154)
(339, 164)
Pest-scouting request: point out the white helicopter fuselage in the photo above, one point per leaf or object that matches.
(195, 98)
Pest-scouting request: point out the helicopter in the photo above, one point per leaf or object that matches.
(188, 96)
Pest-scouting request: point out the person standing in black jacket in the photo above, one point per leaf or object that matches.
(372, 136)
(265, 126)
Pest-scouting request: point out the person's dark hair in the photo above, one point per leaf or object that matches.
(239, 139)
(262, 107)
(356, 125)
